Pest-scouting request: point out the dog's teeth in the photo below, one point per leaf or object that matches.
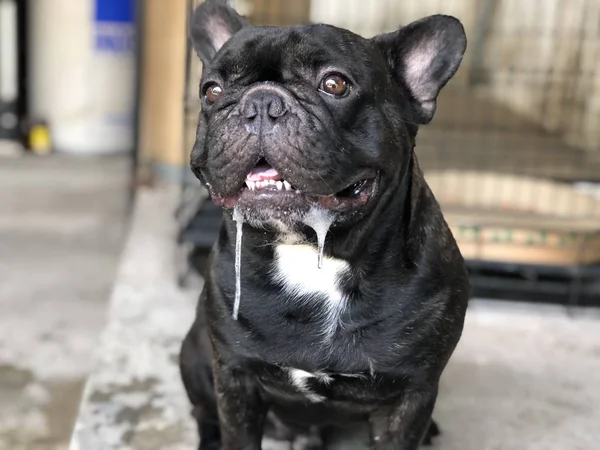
(280, 185)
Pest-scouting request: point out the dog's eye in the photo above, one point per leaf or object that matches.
(334, 84)
(213, 92)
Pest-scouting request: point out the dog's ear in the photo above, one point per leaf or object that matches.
(213, 23)
(424, 56)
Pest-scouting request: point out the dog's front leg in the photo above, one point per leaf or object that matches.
(402, 426)
(241, 409)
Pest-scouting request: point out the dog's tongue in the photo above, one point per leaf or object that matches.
(263, 173)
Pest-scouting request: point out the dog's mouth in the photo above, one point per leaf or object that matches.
(264, 187)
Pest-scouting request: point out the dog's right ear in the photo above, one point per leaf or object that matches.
(424, 55)
(213, 24)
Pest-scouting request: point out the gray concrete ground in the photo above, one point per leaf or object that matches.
(523, 377)
(62, 223)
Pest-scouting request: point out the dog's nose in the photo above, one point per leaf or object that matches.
(263, 108)
(267, 104)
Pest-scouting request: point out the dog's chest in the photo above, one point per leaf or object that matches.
(296, 269)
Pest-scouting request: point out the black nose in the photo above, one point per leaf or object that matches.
(263, 109)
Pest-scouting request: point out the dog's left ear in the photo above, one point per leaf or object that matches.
(424, 56)
(213, 23)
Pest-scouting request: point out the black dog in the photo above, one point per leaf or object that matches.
(306, 139)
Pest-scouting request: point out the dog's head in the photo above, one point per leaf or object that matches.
(295, 118)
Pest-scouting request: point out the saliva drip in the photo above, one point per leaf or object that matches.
(320, 220)
(239, 222)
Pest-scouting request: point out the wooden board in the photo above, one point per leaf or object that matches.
(525, 240)
(279, 12)
(506, 218)
(163, 80)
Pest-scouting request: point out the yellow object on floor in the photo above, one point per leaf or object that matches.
(39, 139)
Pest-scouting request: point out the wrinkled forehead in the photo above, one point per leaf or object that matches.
(272, 52)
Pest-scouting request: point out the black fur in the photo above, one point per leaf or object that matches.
(407, 288)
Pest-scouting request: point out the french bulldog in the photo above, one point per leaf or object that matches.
(335, 293)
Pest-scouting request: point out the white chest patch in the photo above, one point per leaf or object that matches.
(296, 267)
(299, 378)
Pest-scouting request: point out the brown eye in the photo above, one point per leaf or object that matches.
(213, 92)
(334, 85)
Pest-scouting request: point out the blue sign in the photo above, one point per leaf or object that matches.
(115, 11)
(115, 26)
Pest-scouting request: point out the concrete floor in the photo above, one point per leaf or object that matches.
(62, 223)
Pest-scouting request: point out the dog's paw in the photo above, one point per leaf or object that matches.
(432, 432)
